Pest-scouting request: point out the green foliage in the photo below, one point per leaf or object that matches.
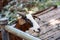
(58, 3)
(30, 6)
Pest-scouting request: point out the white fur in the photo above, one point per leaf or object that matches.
(35, 24)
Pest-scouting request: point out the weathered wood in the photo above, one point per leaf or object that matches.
(0, 36)
(1, 6)
(46, 10)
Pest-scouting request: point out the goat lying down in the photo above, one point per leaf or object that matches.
(33, 29)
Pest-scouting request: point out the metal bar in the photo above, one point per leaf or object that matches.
(5, 35)
(20, 33)
(3, 23)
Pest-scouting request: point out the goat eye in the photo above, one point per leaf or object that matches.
(34, 30)
(39, 29)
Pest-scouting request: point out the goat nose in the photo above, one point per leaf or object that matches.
(39, 29)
